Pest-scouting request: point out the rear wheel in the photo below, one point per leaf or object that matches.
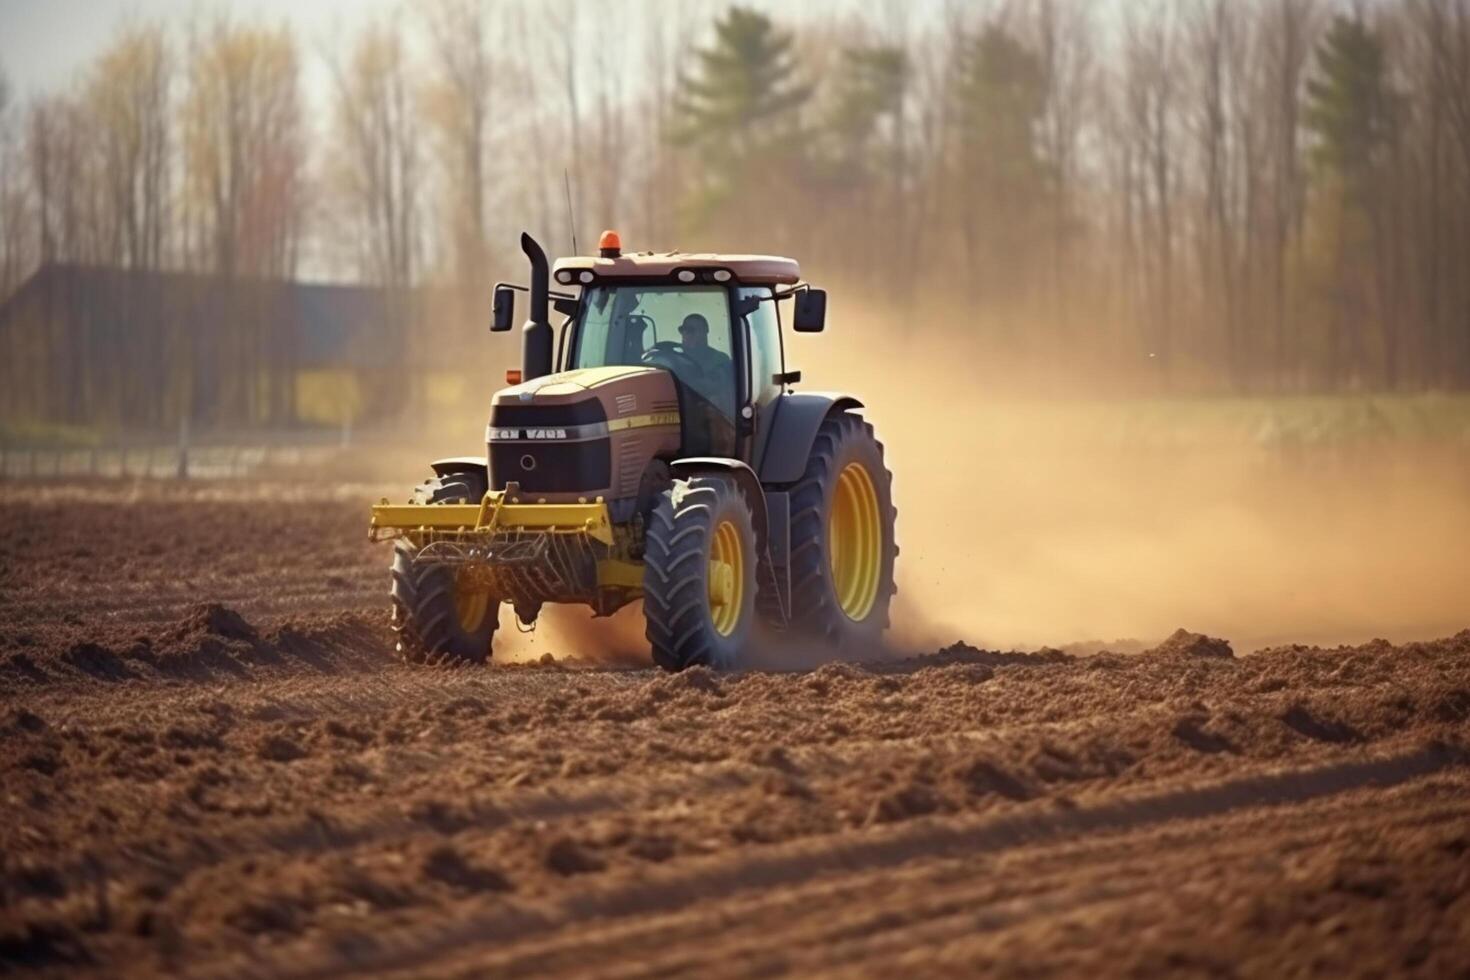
(699, 575)
(842, 535)
(439, 614)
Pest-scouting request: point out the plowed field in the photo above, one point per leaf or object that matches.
(212, 765)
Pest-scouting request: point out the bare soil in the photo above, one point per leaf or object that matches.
(212, 765)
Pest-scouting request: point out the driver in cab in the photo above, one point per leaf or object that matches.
(716, 377)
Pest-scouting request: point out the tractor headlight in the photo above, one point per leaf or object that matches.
(721, 275)
(564, 277)
(686, 275)
(585, 277)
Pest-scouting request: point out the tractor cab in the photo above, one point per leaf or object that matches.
(711, 322)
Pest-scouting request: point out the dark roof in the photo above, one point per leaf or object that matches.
(328, 323)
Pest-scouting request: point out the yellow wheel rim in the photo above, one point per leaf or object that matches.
(855, 542)
(726, 579)
(470, 604)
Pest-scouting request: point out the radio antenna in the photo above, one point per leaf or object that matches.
(571, 221)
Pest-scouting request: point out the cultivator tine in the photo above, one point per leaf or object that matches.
(772, 597)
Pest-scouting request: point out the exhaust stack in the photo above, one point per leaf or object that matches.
(536, 339)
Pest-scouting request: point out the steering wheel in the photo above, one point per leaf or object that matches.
(670, 350)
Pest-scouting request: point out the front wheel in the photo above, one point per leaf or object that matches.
(699, 575)
(439, 613)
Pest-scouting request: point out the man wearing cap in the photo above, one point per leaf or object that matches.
(716, 379)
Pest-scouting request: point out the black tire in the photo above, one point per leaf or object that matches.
(682, 625)
(843, 440)
(425, 616)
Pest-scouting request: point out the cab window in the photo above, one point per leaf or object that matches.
(763, 324)
(684, 329)
(765, 343)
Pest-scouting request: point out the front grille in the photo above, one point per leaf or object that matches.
(554, 467)
(550, 466)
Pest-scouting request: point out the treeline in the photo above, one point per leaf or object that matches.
(1246, 195)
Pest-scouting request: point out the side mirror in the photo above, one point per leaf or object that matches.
(810, 315)
(504, 309)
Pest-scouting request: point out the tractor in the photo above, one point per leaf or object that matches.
(653, 448)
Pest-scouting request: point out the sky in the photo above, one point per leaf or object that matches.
(44, 44)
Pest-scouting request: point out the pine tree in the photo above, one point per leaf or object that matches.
(871, 84)
(1349, 110)
(1350, 105)
(999, 96)
(865, 158)
(739, 108)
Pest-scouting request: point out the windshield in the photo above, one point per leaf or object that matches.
(685, 329)
(620, 324)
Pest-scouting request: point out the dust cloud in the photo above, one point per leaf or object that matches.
(572, 633)
(1078, 519)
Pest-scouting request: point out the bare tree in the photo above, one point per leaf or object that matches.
(376, 158)
(462, 96)
(43, 152)
(14, 209)
(245, 151)
(1456, 69)
(66, 169)
(127, 104)
(1149, 125)
(1287, 33)
(1439, 55)
(1065, 34)
(606, 184)
(1226, 170)
(668, 39)
(245, 207)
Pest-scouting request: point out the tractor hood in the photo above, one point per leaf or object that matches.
(573, 383)
(617, 396)
(583, 434)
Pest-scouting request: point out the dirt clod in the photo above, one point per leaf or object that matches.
(913, 800)
(1184, 643)
(448, 865)
(981, 776)
(567, 857)
(280, 748)
(1301, 720)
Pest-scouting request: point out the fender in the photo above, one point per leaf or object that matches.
(462, 464)
(794, 423)
(744, 478)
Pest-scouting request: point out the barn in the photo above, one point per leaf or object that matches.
(94, 346)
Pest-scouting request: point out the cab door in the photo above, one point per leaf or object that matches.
(762, 330)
